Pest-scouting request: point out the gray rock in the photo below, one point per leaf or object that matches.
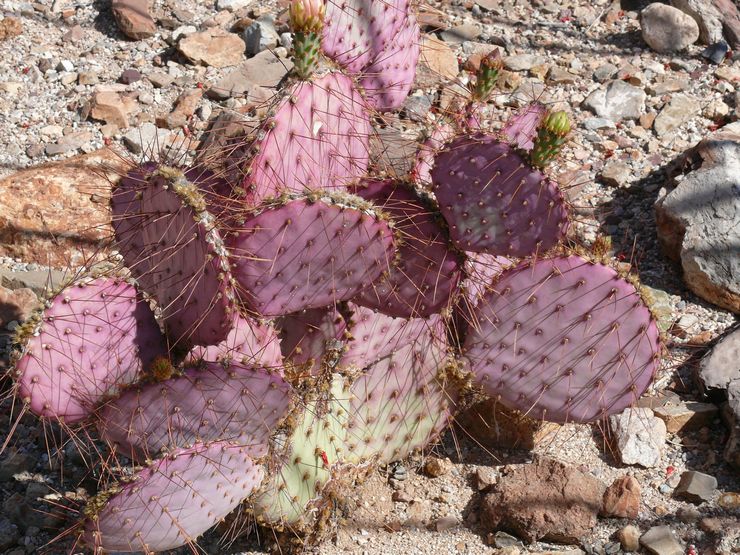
(254, 80)
(260, 36)
(461, 33)
(616, 101)
(678, 111)
(605, 72)
(417, 107)
(667, 29)
(160, 79)
(593, 124)
(695, 487)
(720, 366)
(523, 62)
(639, 436)
(502, 539)
(232, 5)
(147, 138)
(697, 221)
(707, 17)
(661, 540)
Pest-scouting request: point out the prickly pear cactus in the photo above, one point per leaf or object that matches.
(277, 331)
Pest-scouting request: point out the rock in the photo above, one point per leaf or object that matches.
(494, 426)
(260, 36)
(661, 540)
(679, 110)
(445, 523)
(461, 33)
(38, 281)
(706, 15)
(720, 366)
(730, 21)
(545, 500)
(594, 124)
(146, 138)
(129, 76)
(254, 80)
(57, 214)
(10, 27)
(434, 467)
(438, 58)
(16, 305)
(695, 487)
(523, 62)
(616, 101)
(69, 143)
(686, 417)
(111, 107)
(616, 174)
(88, 78)
(667, 29)
(184, 108)
(664, 85)
(729, 500)
(213, 47)
(629, 538)
(485, 477)
(133, 18)
(622, 498)
(159, 79)
(231, 5)
(638, 436)
(697, 221)
(605, 72)
(717, 52)
(560, 75)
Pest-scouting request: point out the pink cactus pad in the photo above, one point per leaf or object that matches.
(398, 403)
(310, 253)
(428, 271)
(170, 243)
(213, 402)
(421, 172)
(356, 31)
(249, 342)
(564, 339)
(375, 335)
(174, 501)
(91, 339)
(305, 335)
(318, 138)
(521, 129)
(494, 201)
(389, 77)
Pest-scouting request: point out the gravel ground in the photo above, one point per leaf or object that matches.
(40, 108)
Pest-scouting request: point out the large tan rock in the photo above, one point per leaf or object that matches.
(438, 58)
(213, 47)
(58, 214)
(667, 29)
(133, 18)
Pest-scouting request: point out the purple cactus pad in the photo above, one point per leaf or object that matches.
(428, 271)
(310, 253)
(318, 138)
(389, 77)
(494, 201)
(304, 335)
(421, 172)
(212, 402)
(356, 31)
(93, 338)
(564, 339)
(174, 501)
(170, 243)
(521, 129)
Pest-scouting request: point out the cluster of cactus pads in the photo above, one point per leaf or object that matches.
(276, 332)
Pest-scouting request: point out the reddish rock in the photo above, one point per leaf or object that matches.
(10, 27)
(545, 500)
(16, 305)
(133, 18)
(111, 107)
(213, 47)
(57, 214)
(622, 498)
(730, 21)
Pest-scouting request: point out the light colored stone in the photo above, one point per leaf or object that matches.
(638, 436)
(720, 366)
(707, 17)
(146, 138)
(112, 107)
(213, 47)
(255, 80)
(678, 111)
(688, 416)
(661, 540)
(696, 487)
(523, 62)
(616, 101)
(667, 29)
(616, 173)
(629, 538)
(438, 58)
(697, 221)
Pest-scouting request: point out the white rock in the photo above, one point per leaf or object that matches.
(639, 436)
(667, 29)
